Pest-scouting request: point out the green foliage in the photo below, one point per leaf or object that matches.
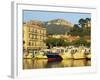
(76, 31)
(51, 42)
(81, 30)
(82, 22)
(81, 41)
(87, 31)
(56, 42)
(88, 19)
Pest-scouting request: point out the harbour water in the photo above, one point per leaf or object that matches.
(43, 63)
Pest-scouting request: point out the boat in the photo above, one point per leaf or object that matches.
(53, 57)
(40, 55)
(88, 56)
(66, 54)
(80, 54)
(28, 56)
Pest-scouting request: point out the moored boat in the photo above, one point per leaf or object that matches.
(54, 57)
(88, 56)
(40, 55)
(28, 56)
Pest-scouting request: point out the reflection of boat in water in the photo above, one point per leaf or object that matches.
(54, 57)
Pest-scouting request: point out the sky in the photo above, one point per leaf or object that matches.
(48, 15)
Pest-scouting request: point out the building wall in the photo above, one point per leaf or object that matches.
(34, 36)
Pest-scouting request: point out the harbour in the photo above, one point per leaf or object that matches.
(57, 42)
(58, 57)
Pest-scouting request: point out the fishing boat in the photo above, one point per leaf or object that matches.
(66, 54)
(54, 57)
(40, 55)
(28, 56)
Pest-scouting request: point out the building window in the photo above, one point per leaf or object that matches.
(44, 32)
(41, 32)
(35, 31)
(33, 43)
(29, 43)
(30, 36)
(41, 37)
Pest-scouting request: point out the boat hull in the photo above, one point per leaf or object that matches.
(54, 57)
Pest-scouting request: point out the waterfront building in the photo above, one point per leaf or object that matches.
(34, 36)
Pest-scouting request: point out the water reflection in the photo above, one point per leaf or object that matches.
(43, 63)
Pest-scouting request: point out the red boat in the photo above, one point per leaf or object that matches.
(54, 57)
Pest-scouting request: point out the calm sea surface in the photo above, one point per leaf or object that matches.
(43, 63)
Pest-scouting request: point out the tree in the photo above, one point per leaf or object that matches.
(87, 31)
(81, 29)
(88, 19)
(81, 41)
(76, 30)
(51, 42)
(81, 22)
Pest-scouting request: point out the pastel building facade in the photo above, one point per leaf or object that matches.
(34, 36)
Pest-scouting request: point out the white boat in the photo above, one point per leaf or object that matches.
(40, 55)
(28, 56)
(79, 55)
(66, 54)
(88, 56)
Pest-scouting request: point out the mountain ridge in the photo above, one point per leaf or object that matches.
(60, 21)
(58, 26)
